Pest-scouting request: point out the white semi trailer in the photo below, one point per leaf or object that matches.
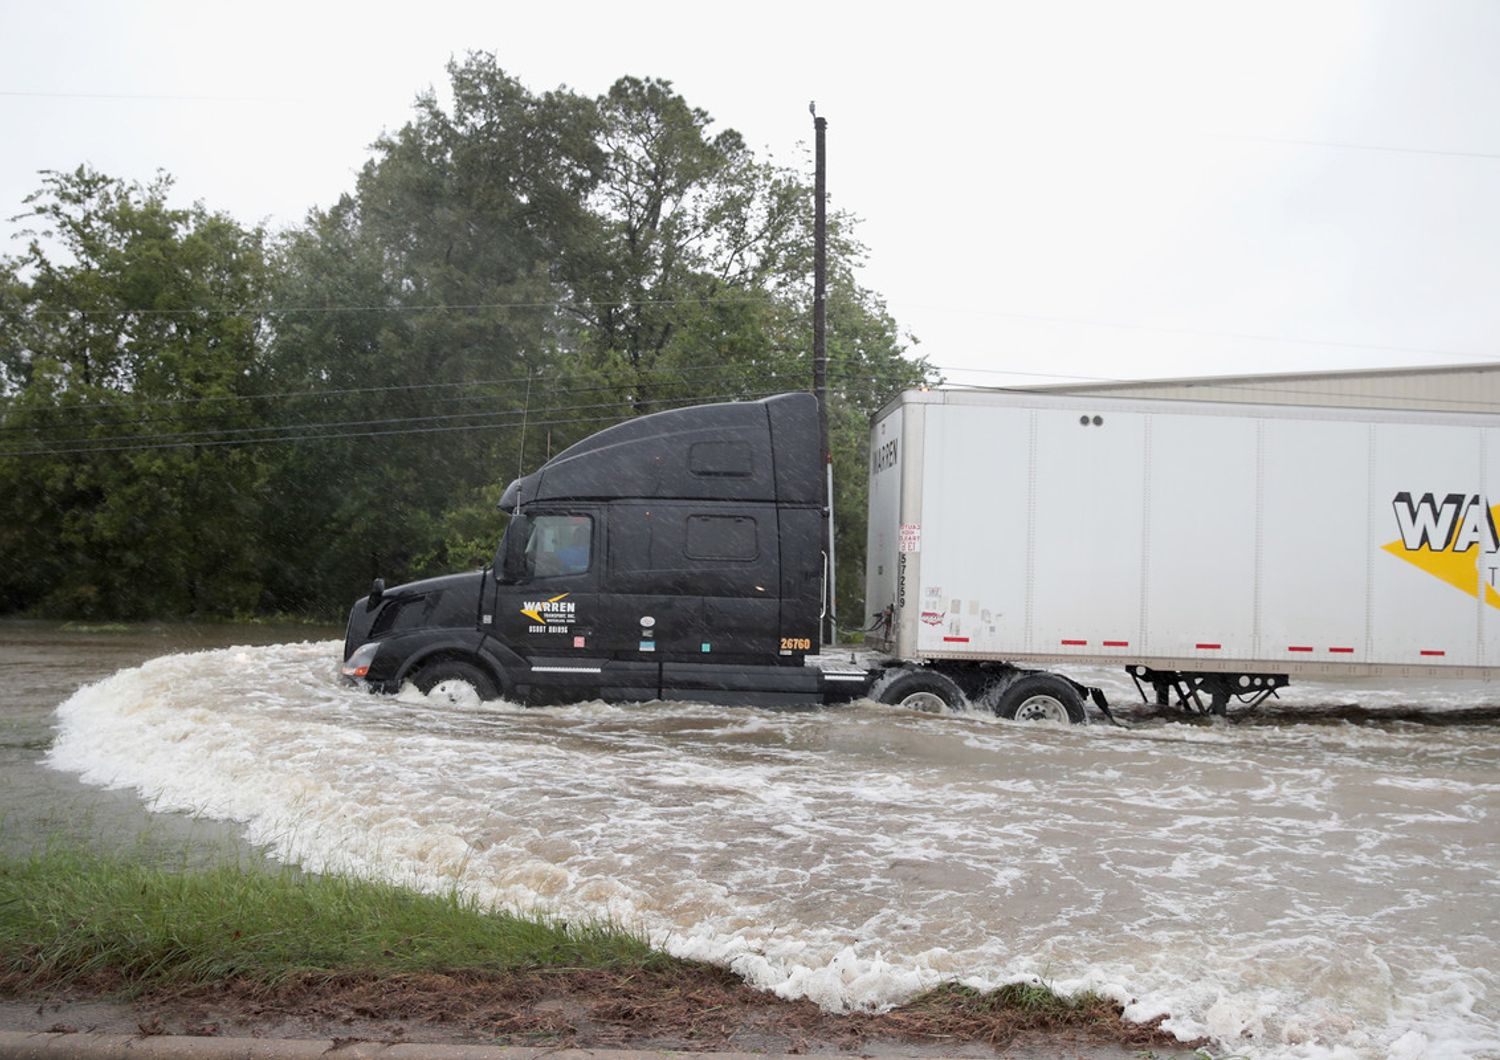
(1215, 551)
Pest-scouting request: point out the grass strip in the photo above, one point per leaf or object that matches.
(239, 941)
(69, 915)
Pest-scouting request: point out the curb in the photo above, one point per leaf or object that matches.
(21, 1045)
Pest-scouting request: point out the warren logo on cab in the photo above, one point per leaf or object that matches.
(558, 612)
(1439, 537)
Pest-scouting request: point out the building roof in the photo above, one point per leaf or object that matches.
(1439, 388)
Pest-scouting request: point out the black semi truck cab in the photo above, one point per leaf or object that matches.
(674, 556)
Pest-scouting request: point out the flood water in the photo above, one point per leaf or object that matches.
(1303, 885)
(42, 664)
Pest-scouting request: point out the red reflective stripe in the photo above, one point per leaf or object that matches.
(1117, 644)
(1426, 652)
(955, 640)
(1342, 651)
(1076, 643)
(1209, 647)
(1300, 647)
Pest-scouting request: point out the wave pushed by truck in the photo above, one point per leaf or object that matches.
(1214, 551)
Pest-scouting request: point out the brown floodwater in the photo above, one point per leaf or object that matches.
(1322, 880)
(42, 664)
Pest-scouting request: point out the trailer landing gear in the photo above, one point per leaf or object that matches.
(1205, 693)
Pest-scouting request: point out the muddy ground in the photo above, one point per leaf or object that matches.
(706, 1010)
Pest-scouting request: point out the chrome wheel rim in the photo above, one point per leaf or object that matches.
(455, 692)
(927, 702)
(1041, 708)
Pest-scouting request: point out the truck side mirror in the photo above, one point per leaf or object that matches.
(377, 590)
(513, 550)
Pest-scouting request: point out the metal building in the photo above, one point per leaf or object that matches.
(1447, 388)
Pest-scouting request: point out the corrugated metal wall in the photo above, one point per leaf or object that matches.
(1455, 388)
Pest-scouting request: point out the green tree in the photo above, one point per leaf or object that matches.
(533, 268)
(128, 355)
(416, 311)
(681, 291)
(190, 421)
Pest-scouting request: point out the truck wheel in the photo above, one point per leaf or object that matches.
(456, 683)
(1040, 697)
(925, 690)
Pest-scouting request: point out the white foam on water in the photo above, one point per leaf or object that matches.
(1295, 890)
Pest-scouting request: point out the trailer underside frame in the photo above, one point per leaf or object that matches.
(1205, 693)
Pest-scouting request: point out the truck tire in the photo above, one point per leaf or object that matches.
(1040, 697)
(925, 690)
(453, 682)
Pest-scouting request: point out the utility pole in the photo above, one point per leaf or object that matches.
(820, 355)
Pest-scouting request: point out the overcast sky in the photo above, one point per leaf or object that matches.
(1048, 189)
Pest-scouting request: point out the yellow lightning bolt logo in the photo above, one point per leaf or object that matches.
(535, 615)
(1454, 562)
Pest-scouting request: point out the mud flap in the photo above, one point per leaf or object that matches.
(1097, 695)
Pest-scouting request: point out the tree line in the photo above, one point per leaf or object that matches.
(203, 418)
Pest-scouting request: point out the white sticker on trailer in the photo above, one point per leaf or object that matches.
(911, 537)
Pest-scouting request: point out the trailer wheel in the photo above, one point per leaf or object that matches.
(456, 683)
(925, 690)
(1040, 697)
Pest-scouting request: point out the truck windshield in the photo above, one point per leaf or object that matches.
(559, 544)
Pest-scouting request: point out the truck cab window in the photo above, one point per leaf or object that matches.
(559, 545)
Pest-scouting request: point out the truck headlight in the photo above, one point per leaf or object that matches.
(358, 664)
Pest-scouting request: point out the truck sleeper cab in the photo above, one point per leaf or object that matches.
(674, 556)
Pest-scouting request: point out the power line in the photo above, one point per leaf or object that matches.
(216, 432)
(38, 434)
(308, 425)
(1034, 375)
(970, 308)
(434, 307)
(726, 376)
(670, 403)
(664, 380)
(274, 396)
(509, 418)
(664, 376)
(343, 391)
